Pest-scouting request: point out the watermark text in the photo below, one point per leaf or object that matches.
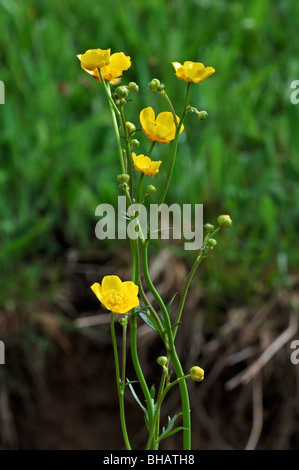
(295, 94)
(2, 92)
(295, 354)
(137, 221)
(2, 353)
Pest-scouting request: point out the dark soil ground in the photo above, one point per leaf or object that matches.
(248, 400)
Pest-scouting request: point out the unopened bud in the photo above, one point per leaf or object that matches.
(135, 143)
(151, 189)
(212, 242)
(209, 227)
(122, 91)
(153, 84)
(130, 127)
(202, 115)
(161, 88)
(122, 101)
(162, 361)
(123, 178)
(197, 373)
(153, 391)
(133, 87)
(124, 187)
(123, 321)
(224, 221)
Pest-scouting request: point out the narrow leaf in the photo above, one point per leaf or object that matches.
(137, 400)
(169, 426)
(170, 303)
(163, 436)
(148, 321)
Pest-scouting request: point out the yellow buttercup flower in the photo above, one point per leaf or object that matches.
(161, 129)
(115, 295)
(192, 71)
(111, 67)
(146, 165)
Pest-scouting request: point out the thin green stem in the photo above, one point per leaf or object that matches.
(138, 370)
(172, 352)
(166, 97)
(151, 309)
(185, 291)
(133, 336)
(160, 401)
(120, 385)
(151, 148)
(139, 191)
(108, 92)
(174, 148)
(165, 375)
(114, 112)
(127, 148)
(193, 270)
(124, 350)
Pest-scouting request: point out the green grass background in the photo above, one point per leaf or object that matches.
(58, 153)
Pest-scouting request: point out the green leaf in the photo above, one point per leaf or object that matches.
(170, 303)
(131, 382)
(148, 321)
(171, 421)
(163, 436)
(137, 399)
(146, 317)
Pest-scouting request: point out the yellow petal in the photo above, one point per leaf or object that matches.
(129, 288)
(147, 118)
(166, 127)
(132, 303)
(166, 119)
(97, 290)
(176, 65)
(154, 168)
(111, 283)
(120, 61)
(94, 58)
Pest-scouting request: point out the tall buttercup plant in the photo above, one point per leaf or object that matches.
(127, 298)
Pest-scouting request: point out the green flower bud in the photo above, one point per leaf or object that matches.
(135, 143)
(133, 87)
(123, 321)
(124, 178)
(124, 187)
(122, 91)
(209, 227)
(130, 127)
(122, 101)
(153, 391)
(212, 242)
(151, 189)
(161, 88)
(202, 115)
(153, 84)
(197, 373)
(162, 361)
(224, 221)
